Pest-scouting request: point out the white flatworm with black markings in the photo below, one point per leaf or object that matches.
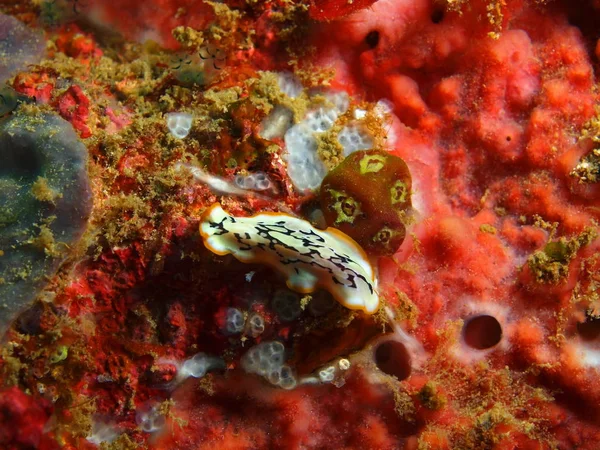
(309, 258)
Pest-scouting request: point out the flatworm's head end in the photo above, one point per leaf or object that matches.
(213, 215)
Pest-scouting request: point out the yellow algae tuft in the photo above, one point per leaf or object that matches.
(44, 193)
(188, 37)
(551, 265)
(45, 241)
(308, 257)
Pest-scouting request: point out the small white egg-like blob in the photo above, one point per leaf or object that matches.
(150, 420)
(198, 365)
(179, 124)
(235, 321)
(255, 325)
(327, 375)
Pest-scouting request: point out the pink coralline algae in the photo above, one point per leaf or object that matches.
(478, 121)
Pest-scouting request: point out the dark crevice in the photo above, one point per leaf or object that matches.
(393, 358)
(372, 39)
(437, 15)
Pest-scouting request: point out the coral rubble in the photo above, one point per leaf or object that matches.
(451, 147)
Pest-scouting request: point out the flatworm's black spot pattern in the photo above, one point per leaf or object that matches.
(301, 247)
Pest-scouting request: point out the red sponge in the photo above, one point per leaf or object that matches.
(335, 9)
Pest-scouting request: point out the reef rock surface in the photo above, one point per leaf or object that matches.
(485, 268)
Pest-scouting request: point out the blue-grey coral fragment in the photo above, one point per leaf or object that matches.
(45, 200)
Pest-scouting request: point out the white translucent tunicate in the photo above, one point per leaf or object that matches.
(383, 107)
(234, 322)
(354, 138)
(179, 124)
(255, 325)
(344, 364)
(150, 420)
(261, 181)
(289, 84)
(305, 168)
(266, 359)
(327, 374)
(279, 120)
(286, 305)
(339, 99)
(102, 432)
(287, 380)
(257, 181)
(198, 365)
(320, 120)
(240, 181)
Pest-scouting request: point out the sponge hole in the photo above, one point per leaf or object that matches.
(437, 15)
(372, 39)
(482, 332)
(393, 358)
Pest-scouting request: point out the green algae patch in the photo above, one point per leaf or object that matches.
(368, 197)
(43, 192)
(431, 398)
(551, 265)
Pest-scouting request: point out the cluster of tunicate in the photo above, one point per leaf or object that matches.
(234, 321)
(255, 326)
(286, 305)
(45, 200)
(257, 181)
(199, 365)
(305, 168)
(368, 197)
(329, 373)
(354, 138)
(179, 124)
(20, 46)
(304, 164)
(289, 84)
(150, 419)
(267, 360)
